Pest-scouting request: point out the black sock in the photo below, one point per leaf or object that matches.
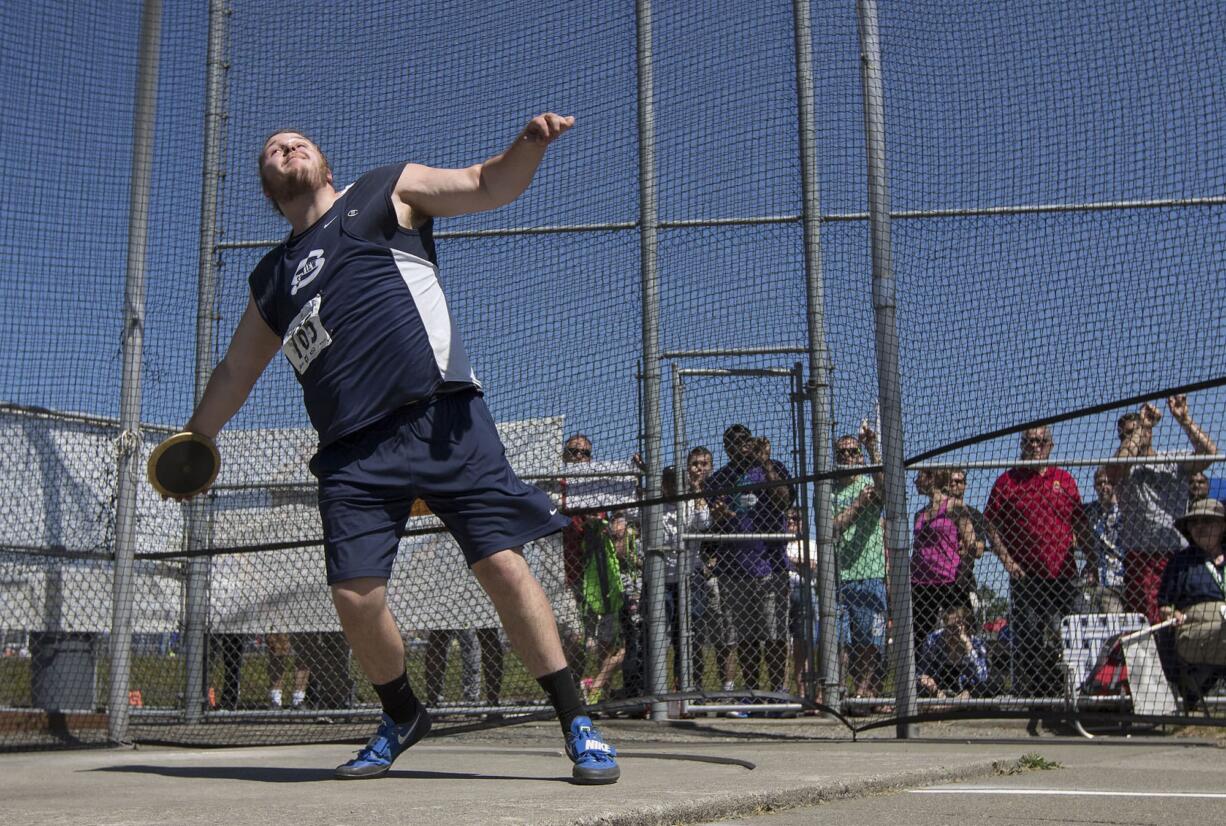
(398, 700)
(560, 686)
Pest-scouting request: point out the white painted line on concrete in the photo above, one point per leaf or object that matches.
(1069, 792)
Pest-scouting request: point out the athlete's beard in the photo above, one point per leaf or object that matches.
(298, 180)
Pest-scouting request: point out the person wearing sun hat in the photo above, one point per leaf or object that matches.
(1193, 589)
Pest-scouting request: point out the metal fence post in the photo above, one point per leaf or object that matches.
(129, 475)
(682, 549)
(653, 533)
(807, 582)
(197, 606)
(819, 357)
(889, 386)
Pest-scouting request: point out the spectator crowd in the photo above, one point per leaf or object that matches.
(740, 601)
(740, 577)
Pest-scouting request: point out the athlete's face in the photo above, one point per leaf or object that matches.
(291, 165)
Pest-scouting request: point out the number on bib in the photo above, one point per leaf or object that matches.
(307, 337)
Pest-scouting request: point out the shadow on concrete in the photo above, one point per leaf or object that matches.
(273, 774)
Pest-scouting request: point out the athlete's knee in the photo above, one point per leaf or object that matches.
(358, 598)
(502, 568)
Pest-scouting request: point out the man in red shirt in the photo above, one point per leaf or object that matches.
(1036, 510)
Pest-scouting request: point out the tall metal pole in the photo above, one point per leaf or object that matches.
(799, 395)
(129, 476)
(682, 550)
(818, 389)
(197, 597)
(653, 533)
(889, 385)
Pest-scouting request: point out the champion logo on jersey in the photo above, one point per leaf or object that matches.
(308, 268)
(351, 213)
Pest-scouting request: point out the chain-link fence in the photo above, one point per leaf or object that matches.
(832, 328)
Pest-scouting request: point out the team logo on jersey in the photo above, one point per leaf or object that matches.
(308, 268)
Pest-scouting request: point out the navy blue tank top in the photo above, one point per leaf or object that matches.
(357, 302)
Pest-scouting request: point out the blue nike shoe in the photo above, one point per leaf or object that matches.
(389, 742)
(592, 756)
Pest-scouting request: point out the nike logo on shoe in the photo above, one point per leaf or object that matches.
(401, 739)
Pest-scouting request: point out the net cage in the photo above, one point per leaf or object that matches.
(975, 374)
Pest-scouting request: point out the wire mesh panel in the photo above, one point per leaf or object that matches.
(1042, 260)
(1046, 255)
(737, 427)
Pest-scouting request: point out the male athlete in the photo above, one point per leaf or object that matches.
(352, 298)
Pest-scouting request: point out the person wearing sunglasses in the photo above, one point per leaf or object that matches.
(859, 547)
(585, 484)
(1036, 510)
(984, 538)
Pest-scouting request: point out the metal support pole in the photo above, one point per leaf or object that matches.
(653, 534)
(889, 385)
(802, 505)
(818, 389)
(129, 475)
(198, 510)
(683, 550)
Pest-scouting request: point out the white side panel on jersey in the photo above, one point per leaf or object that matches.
(421, 277)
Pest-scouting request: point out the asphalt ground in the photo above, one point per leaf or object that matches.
(772, 773)
(1142, 784)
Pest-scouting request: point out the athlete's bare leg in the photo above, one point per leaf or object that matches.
(361, 605)
(524, 610)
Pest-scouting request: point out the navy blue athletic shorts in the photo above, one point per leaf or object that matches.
(445, 451)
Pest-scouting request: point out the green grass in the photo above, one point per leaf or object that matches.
(161, 679)
(15, 681)
(1034, 762)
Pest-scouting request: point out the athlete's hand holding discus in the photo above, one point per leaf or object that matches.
(183, 466)
(186, 464)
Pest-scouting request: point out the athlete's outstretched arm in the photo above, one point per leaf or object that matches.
(250, 350)
(430, 192)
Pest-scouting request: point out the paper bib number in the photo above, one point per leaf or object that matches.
(307, 337)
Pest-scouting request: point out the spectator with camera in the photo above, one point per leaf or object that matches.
(859, 547)
(750, 571)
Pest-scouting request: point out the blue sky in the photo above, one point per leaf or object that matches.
(1002, 319)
